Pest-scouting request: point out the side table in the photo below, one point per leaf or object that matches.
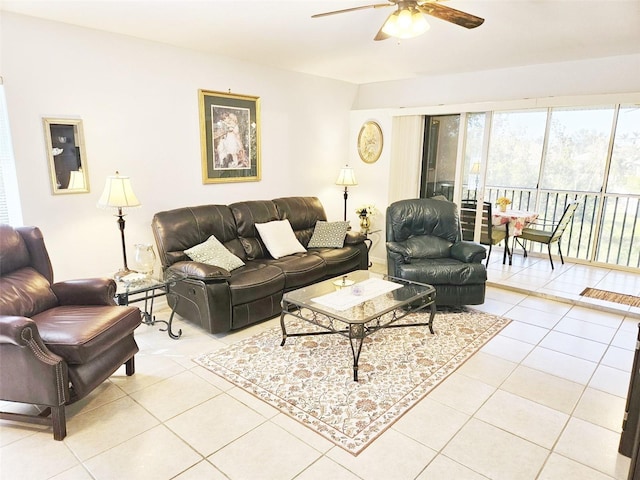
(147, 290)
(368, 242)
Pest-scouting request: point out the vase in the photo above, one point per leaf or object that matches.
(503, 208)
(365, 224)
(145, 258)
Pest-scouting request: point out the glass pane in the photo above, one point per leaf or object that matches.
(515, 148)
(624, 174)
(577, 149)
(473, 154)
(619, 241)
(441, 150)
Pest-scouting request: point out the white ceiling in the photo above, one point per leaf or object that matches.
(282, 33)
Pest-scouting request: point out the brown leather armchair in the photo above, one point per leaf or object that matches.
(58, 341)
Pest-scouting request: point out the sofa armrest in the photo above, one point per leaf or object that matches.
(89, 291)
(354, 238)
(200, 271)
(399, 251)
(31, 373)
(23, 332)
(468, 252)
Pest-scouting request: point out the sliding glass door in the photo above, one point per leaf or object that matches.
(441, 135)
(541, 159)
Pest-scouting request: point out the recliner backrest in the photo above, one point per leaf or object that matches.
(25, 272)
(422, 216)
(182, 228)
(303, 213)
(246, 215)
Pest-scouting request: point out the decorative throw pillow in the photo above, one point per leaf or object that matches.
(212, 252)
(279, 238)
(328, 234)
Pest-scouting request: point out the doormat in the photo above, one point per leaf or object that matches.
(311, 378)
(611, 296)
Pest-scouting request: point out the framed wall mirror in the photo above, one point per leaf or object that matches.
(67, 157)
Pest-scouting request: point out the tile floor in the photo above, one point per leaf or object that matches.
(543, 400)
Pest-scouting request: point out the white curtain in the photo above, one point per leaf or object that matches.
(406, 157)
(10, 210)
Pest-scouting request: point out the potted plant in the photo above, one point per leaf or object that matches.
(503, 202)
(365, 212)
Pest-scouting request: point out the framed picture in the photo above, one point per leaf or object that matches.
(230, 137)
(67, 157)
(370, 142)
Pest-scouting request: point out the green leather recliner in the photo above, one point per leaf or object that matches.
(424, 244)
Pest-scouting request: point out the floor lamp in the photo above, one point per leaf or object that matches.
(119, 194)
(346, 179)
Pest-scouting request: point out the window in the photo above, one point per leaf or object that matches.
(515, 148)
(624, 174)
(543, 158)
(577, 149)
(10, 211)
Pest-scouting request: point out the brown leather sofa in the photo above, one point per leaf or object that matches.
(219, 300)
(58, 341)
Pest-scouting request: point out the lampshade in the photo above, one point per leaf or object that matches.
(346, 177)
(118, 193)
(76, 180)
(405, 23)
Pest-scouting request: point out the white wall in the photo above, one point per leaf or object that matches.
(620, 74)
(373, 179)
(139, 104)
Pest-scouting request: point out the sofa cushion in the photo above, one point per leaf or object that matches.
(212, 252)
(340, 260)
(88, 330)
(254, 281)
(328, 235)
(300, 269)
(279, 238)
(443, 271)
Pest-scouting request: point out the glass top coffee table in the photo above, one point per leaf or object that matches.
(356, 305)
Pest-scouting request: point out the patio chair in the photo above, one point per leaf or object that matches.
(548, 232)
(488, 234)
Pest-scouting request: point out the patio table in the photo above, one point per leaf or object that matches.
(513, 221)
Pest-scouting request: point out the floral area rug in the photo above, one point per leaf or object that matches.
(311, 378)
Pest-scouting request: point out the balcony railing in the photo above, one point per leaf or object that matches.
(605, 228)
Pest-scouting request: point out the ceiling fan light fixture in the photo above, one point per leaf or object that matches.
(405, 23)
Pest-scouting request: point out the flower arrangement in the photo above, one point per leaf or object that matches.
(503, 202)
(366, 210)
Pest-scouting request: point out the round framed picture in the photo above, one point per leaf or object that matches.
(370, 142)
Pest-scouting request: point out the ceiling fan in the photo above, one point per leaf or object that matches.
(408, 20)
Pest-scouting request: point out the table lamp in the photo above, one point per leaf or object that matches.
(76, 180)
(119, 194)
(346, 179)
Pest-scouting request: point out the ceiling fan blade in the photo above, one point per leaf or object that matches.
(364, 7)
(452, 15)
(381, 35)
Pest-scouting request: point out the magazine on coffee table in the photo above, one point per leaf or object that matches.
(360, 292)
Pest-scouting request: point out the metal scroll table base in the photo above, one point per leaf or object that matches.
(355, 332)
(148, 295)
